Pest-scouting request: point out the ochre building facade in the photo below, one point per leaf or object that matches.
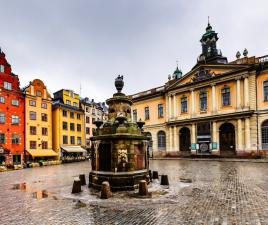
(217, 108)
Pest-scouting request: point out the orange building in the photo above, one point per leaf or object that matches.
(217, 108)
(11, 115)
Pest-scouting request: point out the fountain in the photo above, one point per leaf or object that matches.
(119, 154)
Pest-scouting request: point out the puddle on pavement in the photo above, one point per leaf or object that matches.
(37, 194)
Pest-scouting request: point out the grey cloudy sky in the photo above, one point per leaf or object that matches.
(89, 42)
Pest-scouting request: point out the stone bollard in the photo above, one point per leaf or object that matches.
(143, 189)
(76, 186)
(155, 175)
(82, 178)
(164, 180)
(105, 190)
(150, 175)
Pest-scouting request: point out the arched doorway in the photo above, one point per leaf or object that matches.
(264, 134)
(185, 139)
(227, 139)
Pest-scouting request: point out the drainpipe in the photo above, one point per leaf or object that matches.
(257, 110)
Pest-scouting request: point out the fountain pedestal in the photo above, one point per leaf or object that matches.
(119, 153)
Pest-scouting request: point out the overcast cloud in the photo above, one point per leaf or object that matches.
(89, 42)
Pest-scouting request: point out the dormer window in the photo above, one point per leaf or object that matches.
(2, 68)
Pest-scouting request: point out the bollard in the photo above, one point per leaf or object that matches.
(105, 190)
(143, 189)
(76, 186)
(82, 178)
(150, 175)
(155, 175)
(164, 180)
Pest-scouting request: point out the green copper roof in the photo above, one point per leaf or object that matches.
(177, 73)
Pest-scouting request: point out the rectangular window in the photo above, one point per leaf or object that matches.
(44, 145)
(184, 104)
(65, 139)
(15, 102)
(265, 90)
(44, 117)
(135, 115)
(75, 104)
(32, 144)
(72, 126)
(64, 125)
(2, 99)
(44, 105)
(44, 131)
(2, 118)
(2, 138)
(78, 127)
(7, 85)
(32, 103)
(38, 93)
(2, 68)
(72, 114)
(68, 102)
(93, 120)
(87, 130)
(93, 111)
(14, 119)
(15, 139)
(64, 113)
(32, 115)
(87, 109)
(225, 94)
(147, 113)
(32, 130)
(78, 116)
(160, 111)
(203, 100)
(87, 119)
(72, 140)
(79, 140)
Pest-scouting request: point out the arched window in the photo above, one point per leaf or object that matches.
(161, 140)
(225, 96)
(265, 90)
(203, 100)
(264, 134)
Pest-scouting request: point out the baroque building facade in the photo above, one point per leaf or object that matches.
(217, 108)
(38, 122)
(11, 115)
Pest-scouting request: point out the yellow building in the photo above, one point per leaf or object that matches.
(68, 125)
(217, 108)
(38, 122)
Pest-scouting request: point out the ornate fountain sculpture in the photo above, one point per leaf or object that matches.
(120, 146)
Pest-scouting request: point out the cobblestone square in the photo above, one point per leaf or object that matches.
(220, 193)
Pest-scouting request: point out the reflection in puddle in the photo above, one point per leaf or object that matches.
(38, 194)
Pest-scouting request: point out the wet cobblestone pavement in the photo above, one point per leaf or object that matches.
(220, 193)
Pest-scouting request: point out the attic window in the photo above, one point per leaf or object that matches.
(2, 68)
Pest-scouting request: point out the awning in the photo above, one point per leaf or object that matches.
(73, 149)
(42, 153)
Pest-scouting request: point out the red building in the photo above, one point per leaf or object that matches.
(11, 115)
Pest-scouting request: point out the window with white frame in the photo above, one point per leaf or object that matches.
(2, 68)
(7, 85)
(2, 118)
(2, 99)
(15, 102)
(14, 119)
